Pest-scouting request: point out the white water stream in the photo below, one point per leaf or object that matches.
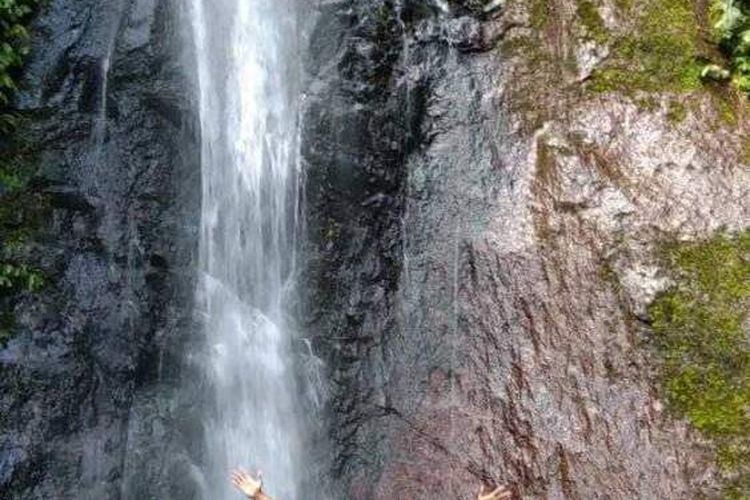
(248, 76)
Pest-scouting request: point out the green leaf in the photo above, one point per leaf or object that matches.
(730, 19)
(715, 72)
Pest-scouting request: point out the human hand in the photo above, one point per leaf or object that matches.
(499, 493)
(247, 484)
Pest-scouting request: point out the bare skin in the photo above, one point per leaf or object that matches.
(499, 493)
(253, 488)
(249, 486)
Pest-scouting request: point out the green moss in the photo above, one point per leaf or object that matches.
(728, 105)
(539, 13)
(624, 6)
(676, 112)
(727, 111)
(608, 274)
(700, 330)
(658, 55)
(539, 65)
(588, 13)
(745, 152)
(648, 103)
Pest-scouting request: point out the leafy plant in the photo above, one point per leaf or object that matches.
(715, 72)
(15, 16)
(14, 278)
(19, 206)
(731, 28)
(14, 41)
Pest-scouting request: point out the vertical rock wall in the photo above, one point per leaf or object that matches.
(118, 165)
(482, 225)
(485, 230)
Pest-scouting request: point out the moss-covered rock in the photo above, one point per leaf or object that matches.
(701, 331)
(588, 14)
(539, 11)
(677, 111)
(659, 54)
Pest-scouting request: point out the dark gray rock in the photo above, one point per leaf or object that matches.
(118, 157)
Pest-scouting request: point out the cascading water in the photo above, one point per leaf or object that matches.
(248, 79)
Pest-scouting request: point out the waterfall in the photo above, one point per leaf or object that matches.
(248, 77)
(99, 128)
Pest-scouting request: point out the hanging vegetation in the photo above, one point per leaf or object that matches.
(731, 29)
(18, 206)
(15, 16)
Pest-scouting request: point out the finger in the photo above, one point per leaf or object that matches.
(501, 493)
(239, 476)
(497, 490)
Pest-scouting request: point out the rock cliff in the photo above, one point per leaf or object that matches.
(491, 184)
(490, 189)
(109, 117)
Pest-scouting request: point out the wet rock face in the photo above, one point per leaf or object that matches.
(483, 248)
(480, 253)
(117, 151)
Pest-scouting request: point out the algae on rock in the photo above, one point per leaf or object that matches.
(660, 54)
(700, 330)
